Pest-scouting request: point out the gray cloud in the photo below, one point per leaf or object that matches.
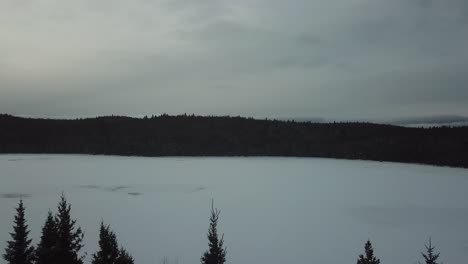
(301, 58)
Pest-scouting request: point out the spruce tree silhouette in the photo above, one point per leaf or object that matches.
(19, 249)
(69, 237)
(216, 254)
(108, 247)
(430, 257)
(369, 257)
(109, 252)
(46, 252)
(124, 257)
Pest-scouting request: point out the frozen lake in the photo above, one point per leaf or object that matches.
(273, 210)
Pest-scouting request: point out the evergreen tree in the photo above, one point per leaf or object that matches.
(109, 252)
(216, 254)
(46, 250)
(369, 257)
(124, 257)
(19, 249)
(108, 247)
(430, 257)
(69, 237)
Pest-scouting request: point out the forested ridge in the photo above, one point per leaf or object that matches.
(190, 135)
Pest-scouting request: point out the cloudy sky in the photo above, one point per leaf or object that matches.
(336, 59)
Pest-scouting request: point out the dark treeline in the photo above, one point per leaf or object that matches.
(61, 242)
(189, 135)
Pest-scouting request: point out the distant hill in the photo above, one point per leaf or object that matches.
(432, 121)
(189, 135)
(424, 121)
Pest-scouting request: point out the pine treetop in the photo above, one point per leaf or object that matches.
(108, 247)
(47, 247)
(70, 237)
(369, 257)
(430, 257)
(216, 253)
(124, 257)
(109, 252)
(19, 249)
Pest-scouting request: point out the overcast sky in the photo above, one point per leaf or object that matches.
(335, 59)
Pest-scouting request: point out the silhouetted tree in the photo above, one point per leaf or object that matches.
(46, 252)
(369, 257)
(19, 249)
(216, 253)
(108, 247)
(124, 257)
(430, 257)
(109, 252)
(69, 237)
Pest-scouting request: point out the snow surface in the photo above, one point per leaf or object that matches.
(273, 210)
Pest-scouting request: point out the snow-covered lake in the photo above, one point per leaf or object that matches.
(273, 210)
